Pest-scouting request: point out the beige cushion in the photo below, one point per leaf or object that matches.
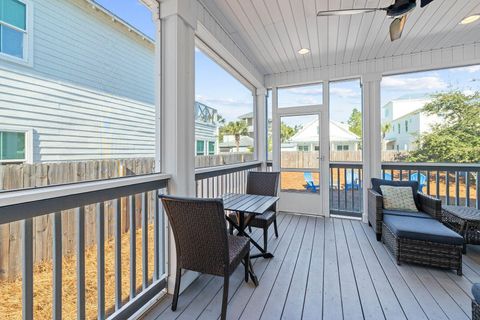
(398, 198)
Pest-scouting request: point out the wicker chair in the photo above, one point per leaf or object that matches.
(417, 237)
(202, 242)
(476, 302)
(265, 184)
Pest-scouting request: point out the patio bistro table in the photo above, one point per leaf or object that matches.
(248, 204)
(465, 221)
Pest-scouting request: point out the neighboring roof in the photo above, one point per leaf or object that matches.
(414, 96)
(338, 132)
(116, 18)
(229, 141)
(246, 116)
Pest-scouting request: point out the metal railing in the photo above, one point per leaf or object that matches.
(453, 183)
(216, 181)
(345, 189)
(26, 205)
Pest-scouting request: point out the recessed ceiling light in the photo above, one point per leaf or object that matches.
(304, 51)
(470, 19)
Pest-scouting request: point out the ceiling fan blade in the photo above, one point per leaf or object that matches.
(346, 12)
(396, 27)
(425, 2)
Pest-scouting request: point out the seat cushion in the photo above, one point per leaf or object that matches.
(263, 220)
(376, 183)
(421, 229)
(237, 249)
(476, 292)
(398, 198)
(418, 214)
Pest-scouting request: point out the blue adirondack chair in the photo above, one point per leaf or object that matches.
(387, 176)
(355, 185)
(311, 186)
(421, 181)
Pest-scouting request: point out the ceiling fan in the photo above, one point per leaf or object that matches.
(398, 10)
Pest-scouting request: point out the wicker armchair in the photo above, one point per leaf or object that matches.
(476, 302)
(202, 241)
(265, 184)
(426, 204)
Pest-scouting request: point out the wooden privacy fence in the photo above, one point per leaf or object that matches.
(20, 176)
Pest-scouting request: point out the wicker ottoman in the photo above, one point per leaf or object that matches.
(463, 220)
(422, 241)
(476, 302)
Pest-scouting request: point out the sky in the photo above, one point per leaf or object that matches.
(218, 89)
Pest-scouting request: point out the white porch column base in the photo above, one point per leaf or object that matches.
(178, 23)
(372, 141)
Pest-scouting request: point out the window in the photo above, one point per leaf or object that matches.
(317, 148)
(406, 126)
(226, 116)
(398, 127)
(346, 123)
(13, 28)
(303, 148)
(200, 148)
(211, 148)
(12, 146)
(300, 96)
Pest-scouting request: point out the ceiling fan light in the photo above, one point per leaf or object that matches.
(304, 51)
(470, 19)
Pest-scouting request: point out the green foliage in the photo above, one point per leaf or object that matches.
(457, 137)
(287, 132)
(234, 128)
(355, 122)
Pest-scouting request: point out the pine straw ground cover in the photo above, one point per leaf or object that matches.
(11, 291)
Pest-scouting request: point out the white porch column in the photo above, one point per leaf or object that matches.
(372, 140)
(261, 126)
(178, 23)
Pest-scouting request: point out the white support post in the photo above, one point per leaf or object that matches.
(261, 127)
(178, 23)
(372, 140)
(276, 142)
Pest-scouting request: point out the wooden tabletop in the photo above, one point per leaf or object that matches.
(248, 203)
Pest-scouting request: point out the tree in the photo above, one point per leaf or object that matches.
(286, 132)
(355, 122)
(457, 137)
(234, 128)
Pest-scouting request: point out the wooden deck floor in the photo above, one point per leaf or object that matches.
(331, 269)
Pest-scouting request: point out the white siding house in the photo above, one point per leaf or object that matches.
(83, 89)
(407, 121)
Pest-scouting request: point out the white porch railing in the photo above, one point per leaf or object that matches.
(26, 205)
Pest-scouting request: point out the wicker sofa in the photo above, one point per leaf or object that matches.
(415, 237)
(476, 302)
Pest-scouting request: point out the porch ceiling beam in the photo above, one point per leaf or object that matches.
(422, 61)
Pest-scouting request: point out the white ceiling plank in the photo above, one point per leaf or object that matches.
(352, 33)
(343, 29)
(310, 8)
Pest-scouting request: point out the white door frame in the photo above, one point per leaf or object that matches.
(308, 203)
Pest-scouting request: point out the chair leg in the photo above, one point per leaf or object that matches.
(230, 228)
(247, 263)
(379, 236)
(250, 229)
(275, 227)
(265, 238)
(226, 281)
(178, 277)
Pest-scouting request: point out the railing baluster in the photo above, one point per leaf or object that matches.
(457, 189)
(57, 265)
(133, 251)
(338, 188)
(401, 175)
(100, 260)
(80, 213)
(27, 269)
(437, 184)
(345, 191)
(156, 236)
(118, 252)
(428, 182)
(447, 187)
(144, 241)
(353, 189)
(330, 192)
(467, 186)
(477, 187)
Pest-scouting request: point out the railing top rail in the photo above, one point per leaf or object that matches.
(432, 166)
(209, 172)
(353, 165)
(22, 204)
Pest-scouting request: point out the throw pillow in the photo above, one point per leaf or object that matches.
(398, 198)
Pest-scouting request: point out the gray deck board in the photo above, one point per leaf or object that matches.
(330, 269)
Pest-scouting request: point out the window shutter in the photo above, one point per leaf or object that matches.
(13, 12)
